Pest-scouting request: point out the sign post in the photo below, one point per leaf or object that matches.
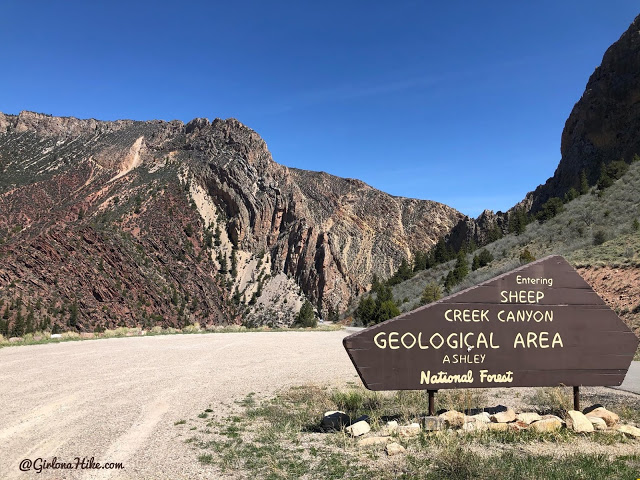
(538, 325)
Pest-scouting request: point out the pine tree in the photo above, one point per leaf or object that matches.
(584, 184)
(306, 317)
(18, 325)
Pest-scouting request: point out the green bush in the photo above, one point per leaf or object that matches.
(432, 293)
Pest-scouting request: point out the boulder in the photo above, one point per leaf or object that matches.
(509, 415)
(371, 441)
(528, 417)
(610, 418)
(597, 422)
(500, 427)
(394, 449)
(578, 422)
(550, 424)
(358, 428)
(475, 425)
(453, 418)
(409, 430)
(335, 420)
(389, 429)
(483, 417)
(629, 430)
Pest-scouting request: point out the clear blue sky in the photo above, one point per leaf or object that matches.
(459, 102)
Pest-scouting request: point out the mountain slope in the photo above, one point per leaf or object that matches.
(126, 222)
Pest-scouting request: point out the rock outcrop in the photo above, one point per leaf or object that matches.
(161, 222)
(603, 125)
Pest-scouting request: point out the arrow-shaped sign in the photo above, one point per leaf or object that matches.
(538, 325)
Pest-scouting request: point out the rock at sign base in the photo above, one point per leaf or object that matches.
(483, 417)
(509, 415)
(528, 417)
(432, 424)
(474, 425)
(629, 430)
(371, 441)
(335, 420)
(609, 418)
(578, 422)
(547, 425)
(500, 427)
(597, 422)
(394, 449)
(453, 419)
(409, 430)
(518, 425)
(358, 428)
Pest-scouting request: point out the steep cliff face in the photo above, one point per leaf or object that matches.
(143, 222)
(604, 123)
(602, 127)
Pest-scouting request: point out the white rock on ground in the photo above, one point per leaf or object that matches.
(409, 430)
(610, 418)
(453, 418)
(528, 417)
(578, 422)
(597, 422)
(547, 425)
(509, 415)
(371, 441)
(483, 417)
(358, 428)
(629, 430)
(394, 449)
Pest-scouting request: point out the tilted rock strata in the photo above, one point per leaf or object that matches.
(155, 192)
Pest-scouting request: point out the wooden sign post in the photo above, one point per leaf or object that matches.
(538, 325)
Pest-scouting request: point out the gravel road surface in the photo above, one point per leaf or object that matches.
(117, 399)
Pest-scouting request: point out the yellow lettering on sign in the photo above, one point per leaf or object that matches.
(521, 296)
(537, 340)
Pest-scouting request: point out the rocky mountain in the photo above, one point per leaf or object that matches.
(603, 125)
(145, 223)
(602, 128)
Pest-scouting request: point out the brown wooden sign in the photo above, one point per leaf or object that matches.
(538, 325)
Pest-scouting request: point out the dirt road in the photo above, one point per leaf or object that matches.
(117, 400)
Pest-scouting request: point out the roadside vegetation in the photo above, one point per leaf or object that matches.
(281, 437)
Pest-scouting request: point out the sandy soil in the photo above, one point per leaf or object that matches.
(117, 400)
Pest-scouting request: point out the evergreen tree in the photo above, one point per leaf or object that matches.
(481, 259)
(18, 325)
(4, 327)
(420, 261)
(584, 184)
(518, 220)
(234, 263)
(73, 315)
(387, 310)
(306, 317)
(366, 310)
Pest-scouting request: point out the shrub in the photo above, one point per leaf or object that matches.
(432, 293)
(599, 237)
(526, 256)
